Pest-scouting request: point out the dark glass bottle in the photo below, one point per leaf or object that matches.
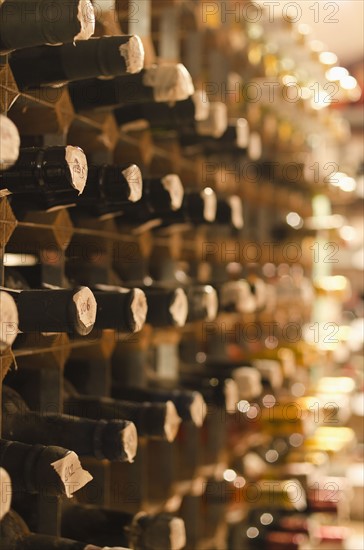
(23, 25)
(167, 82)
(156, 420)
(46, 178)
(115, 439)
(49, 470)
(107, 56)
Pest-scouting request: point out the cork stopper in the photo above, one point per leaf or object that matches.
(202, 105)
(177, 535)
(173, 185)
(5, 493)
(249, 382)
(198, 409)
(260, 292)
(216, 123)
(85, 309)
(242, 133)
(86, 17)
(129, 437)
(210, 302)
(171, 82)
(172, 421)
(149, 532)
(179, 308)
(71, 473)
(255, 146)
(237, 296)
(133, 54)
(134, 178)
(139, 309)
(76, 160)
(8, 320)
(231, 392)
(270, 370)
(210, 204)
(9, 143)
(236, 206)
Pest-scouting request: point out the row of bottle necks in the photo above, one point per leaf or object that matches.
(36, 466)
(272, 502)
(312, 521)
(81, 310)
(54, 178)
(49, 178)
(21, 424)
(99, 78)
(97, 527)
(65, 60)
(218, 397)
(93, 526)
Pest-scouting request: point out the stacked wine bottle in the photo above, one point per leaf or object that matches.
(150, 286)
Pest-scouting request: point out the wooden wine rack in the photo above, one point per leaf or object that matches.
(164, 476)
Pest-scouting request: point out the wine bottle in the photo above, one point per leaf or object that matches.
(9, 143)
(60, 310)
(190, 405)
(200, 207)
(280, 520)
(5, 493)
(23, 25)
(110, 189)
(9, 320)
(115, 440)
(156, 420)
(271, 372)
(235, 139)
(161, 196)
(48, 470)
(203, 303)
(251, 536)
(197, 208)
(33, 270)
(166, 307)
(222, 392)
(165, 83)
(247, 379)
(249, 382)
(282, 540)
(107, 56)
(260, 291)
(200, 124)
(237, 296)
(120, 308)
(266, 371)
(141, 531)
(232, 140)
(206, 130)
(15, 535)
(47, 177)
(333, 536)
(286, 495)
(162, 116)
(323, 501)
(229, 211)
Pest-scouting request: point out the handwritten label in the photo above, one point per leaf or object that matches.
(72, 474)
